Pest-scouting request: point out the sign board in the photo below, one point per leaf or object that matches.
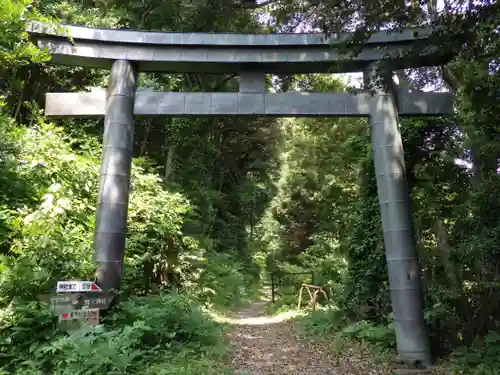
(61, 303)
(87, 316)
(97, 301)
(73, 301)
(77, 287)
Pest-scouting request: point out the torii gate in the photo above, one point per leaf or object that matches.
(126, 52)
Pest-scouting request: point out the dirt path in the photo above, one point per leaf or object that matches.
(263, 345)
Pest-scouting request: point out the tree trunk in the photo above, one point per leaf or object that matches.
(144, 143)
(169, 163)
(444, 253)
(17, 111)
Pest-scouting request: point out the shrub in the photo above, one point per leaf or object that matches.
(481, 358)
(365, 332)
(322, 322)
(224, 282)
(146, 333)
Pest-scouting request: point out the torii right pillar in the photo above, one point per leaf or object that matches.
(395, 209)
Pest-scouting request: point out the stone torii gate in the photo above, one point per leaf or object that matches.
(251, 56)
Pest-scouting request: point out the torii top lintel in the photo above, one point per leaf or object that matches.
(228, 52)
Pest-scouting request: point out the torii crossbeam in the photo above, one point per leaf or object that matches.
(251, 56)
(310, 104)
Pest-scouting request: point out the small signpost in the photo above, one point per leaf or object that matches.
(61, 303)
(98, 300)
(78, 303)
(77, 286)
(76, 317)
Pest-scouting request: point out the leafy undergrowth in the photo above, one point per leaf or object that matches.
(481, 358)
(162, 334)
(47, 205)
(379, 342)
(287, 298)
(282, 304)
(330, 326)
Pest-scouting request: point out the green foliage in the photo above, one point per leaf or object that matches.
(164, 333)
(326, 215)
(224, 282)
(368, 333)
(481, 358)
(54, 228)
(49, 238)
(187, 223)
(50, 222)
(15, 47)
(332, 327)
(207, 193)
(323, 323)
(23, 328)
(286, 300)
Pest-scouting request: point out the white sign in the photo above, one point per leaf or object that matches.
(77, 286)
(89, 316)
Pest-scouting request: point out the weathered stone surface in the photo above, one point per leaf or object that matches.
(149, 103)
(116, 160)
(224, 52)
(220, 39)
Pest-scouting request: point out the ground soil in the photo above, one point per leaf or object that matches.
(273, 345)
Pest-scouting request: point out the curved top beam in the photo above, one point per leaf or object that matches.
(226, 52)
(220, 39)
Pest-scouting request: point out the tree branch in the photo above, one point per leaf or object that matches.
(252, 4)
(223, 81)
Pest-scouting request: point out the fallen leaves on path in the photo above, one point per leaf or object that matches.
(262, 345)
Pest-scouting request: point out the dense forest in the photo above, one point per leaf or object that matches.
(218, 203)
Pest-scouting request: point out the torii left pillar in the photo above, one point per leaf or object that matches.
(114, 180)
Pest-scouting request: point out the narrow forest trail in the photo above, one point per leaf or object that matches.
(271, 345)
